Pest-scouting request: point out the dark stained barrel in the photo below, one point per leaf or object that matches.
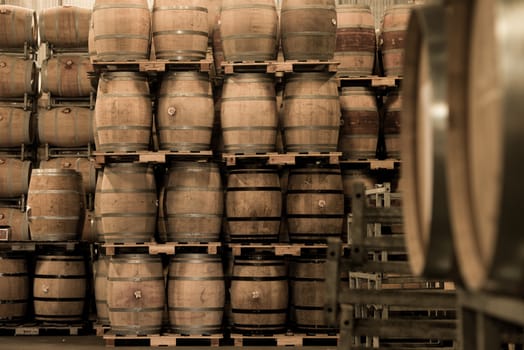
(14, 287)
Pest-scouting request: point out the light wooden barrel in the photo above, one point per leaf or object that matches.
(311, 113)
(121, 30)
(253, 205)
(392, 120)
(360, 123)
(135, 294)
(17, 76)
(356, 40)
(308, 29)
(14, 287)
(196, 294)
(393, 34)
(180, 29)
(185, 112)
(251, 96)
(193, 202)
(123, 112)
(66, 126)
(66, 76)
(16, 127)
(248, 30)
(91, 46)
(64, 26)
(259, 294)
(424, 146)
(55, 205)
(60, 288)
(100, 269)
(127, 203)
(315, 204)
(17, 27)
(14, 177)
(84, 166)
(16, 220)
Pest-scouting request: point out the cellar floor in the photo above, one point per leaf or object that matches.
(91, 342)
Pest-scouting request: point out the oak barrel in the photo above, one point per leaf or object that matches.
(180, 29)
(185, 112)
(66, 76)
(127, 203)
(311, 113)
(393, 38)
(248, 30)
(360, 123)
(55, 205)
(308, 29)
(16, 220)
(253, 205)
(259, 294)
(84, 166)
(17, 76)
(14, 177)
(391, 123)
(17, 27)
(16, 127)
(249, 114)
(193, 202)
(122, 29)
(315, 203)
(60, 288)
(356, 43)
(64, 26)
(135, 294)
(14, 287)
(100, 269)
(123, 112)
(66, 126)
(196, 294)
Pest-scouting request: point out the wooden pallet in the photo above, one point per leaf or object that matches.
(101, 329)
(43, 329)
(171, 248)
(148, 156)
(279, 249)
(373, 164)
(280, 67)
(371, 81)
(212, 340)
(32, 246)
(25, 102)
(47, 100)
(241, 340)
(290, 158)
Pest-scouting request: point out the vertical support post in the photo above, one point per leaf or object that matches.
(332, 282)
(347, 322)
(358, 228)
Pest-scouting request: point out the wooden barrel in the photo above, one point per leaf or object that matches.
(100, 269)
(311, 113)
(14, 177)
(393, 34)
(185, 112)
(127, 203)
(64, 26)
(121, 30)
(89, 233)
(66, 76)
(196, 294)
(123, 112)
(55, 205)
(16, 127)
(60, 288)
(253, 97)
(17, 27)
(180, 29)
(425, 119)
(66, 126)
(392, 119)
(14, 287)
(194, 202)
(16, 220)
(356, 43)
(135, 294)
(84, 166)
(307, 279)
(309, 29)
(259, 294)
(17, 76)
(91, 46)
(248, 30)
(253, 205)
(315, 204)
(360, 123)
